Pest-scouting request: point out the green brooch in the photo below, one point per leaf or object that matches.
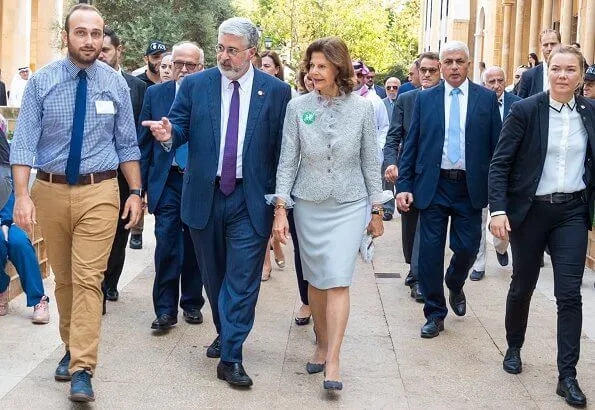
(308, 117)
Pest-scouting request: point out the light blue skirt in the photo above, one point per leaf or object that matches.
(329, 235)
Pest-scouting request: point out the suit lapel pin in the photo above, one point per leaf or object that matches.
(583, 107)
(260, 92)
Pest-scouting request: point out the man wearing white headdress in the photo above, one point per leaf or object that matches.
(17, 87)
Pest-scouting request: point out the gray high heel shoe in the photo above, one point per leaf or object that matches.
(332, 385)
(313, 368)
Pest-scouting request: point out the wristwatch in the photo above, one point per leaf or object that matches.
(378, 211)
(138, 192)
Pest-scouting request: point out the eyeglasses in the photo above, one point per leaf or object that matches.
(231, 51)
(392, 87)
(189, 66)
(432, 70)
(517, 76)
(371, 77)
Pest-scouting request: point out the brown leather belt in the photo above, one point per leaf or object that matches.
(86, 179)
(558, 197)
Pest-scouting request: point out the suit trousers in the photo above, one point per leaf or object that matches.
(21, 253)
(78, 223)
(389, 207)
(231, 253)
(563, 227)
(501, 245)
(175, 260)
(299, 271)
(115, 263)
(450, 201)
(408, 227)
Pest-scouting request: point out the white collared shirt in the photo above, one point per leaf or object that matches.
(245, 91)
(546, 81)
(501, 106)
(463, 97)
(564, 164)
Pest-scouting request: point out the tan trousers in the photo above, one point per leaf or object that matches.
(78, 224)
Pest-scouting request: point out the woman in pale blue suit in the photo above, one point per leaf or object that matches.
(329, 165)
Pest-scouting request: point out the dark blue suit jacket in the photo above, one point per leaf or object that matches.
(419, 171)
(408, 86)
(531, 82)
(196, 119)
(509, 98)
(155, 162)
(380, 91)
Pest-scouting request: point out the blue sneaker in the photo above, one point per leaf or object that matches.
(61, 373)
(80, 387)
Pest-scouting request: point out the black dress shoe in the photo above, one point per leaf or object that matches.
(112, 295)
(214, 350)
(458, 302)
(410, 279)
(193, 316)
(302, 321)
(164, 322)
(234, 374)
(512, 361)
(416, 293)
(568, 388)
(387, 216)
(136, 241)
(502, 259)
(432, 328)
(477, 274)
(61, 373)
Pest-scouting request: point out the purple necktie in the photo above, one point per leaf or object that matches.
(230, 153)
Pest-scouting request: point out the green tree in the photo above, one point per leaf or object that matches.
(171, 21)
(385, 38)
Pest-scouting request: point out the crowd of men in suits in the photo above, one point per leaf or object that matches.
(212, 224)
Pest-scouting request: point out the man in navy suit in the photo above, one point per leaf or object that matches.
(534, 81)
(444, 172)
(162, 173)
(493, 79)
(231, 117)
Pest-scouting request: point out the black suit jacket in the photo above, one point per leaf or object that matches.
(399, 126)
(517, 164)
(2, 93)
(137, 94)
(531, 82)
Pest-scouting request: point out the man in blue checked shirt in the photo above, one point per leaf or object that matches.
(76, 127)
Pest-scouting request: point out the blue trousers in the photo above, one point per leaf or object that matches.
(231, 253)
(175, 260)
(451, 201)
(21, 253)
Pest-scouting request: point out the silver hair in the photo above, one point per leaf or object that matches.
(190, 44)
(454, 46)
(490, 69)
(240, 27)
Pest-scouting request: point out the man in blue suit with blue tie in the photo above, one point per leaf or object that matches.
(493, 79)
(162, 174)
(232, 118)
(444, 169)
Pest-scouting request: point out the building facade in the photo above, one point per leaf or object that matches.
(29, 34)
(504, 32)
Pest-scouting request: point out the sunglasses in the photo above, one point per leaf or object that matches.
(189, 66)
(392, 87)
(432, 70)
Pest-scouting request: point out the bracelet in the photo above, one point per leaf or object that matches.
(280, 205)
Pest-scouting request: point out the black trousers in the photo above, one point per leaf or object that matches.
(302, 284)
(115, 263)
(408, 226)
(563, 228)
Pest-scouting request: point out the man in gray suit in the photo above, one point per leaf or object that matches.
(391, 86)
(429, 72)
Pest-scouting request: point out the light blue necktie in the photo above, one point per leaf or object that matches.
(454, 127)
(181, 156)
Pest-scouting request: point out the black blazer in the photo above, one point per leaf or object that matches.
(399, 126)
(531, 82)
(517, 164)
(137, 94)
(2, 94)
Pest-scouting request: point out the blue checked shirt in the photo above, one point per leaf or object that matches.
(44, 126)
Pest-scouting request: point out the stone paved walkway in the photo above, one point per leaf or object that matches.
(385, 363)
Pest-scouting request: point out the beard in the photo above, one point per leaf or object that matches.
(78, 56)
(154, 68)
(231, 72)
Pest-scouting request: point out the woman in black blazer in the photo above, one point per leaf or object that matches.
(540, 190)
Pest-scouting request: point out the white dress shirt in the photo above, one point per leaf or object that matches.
(463, 97)
(546, 81)
(501, 106)
(564, 165)
(382, 122)
(226, 93)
